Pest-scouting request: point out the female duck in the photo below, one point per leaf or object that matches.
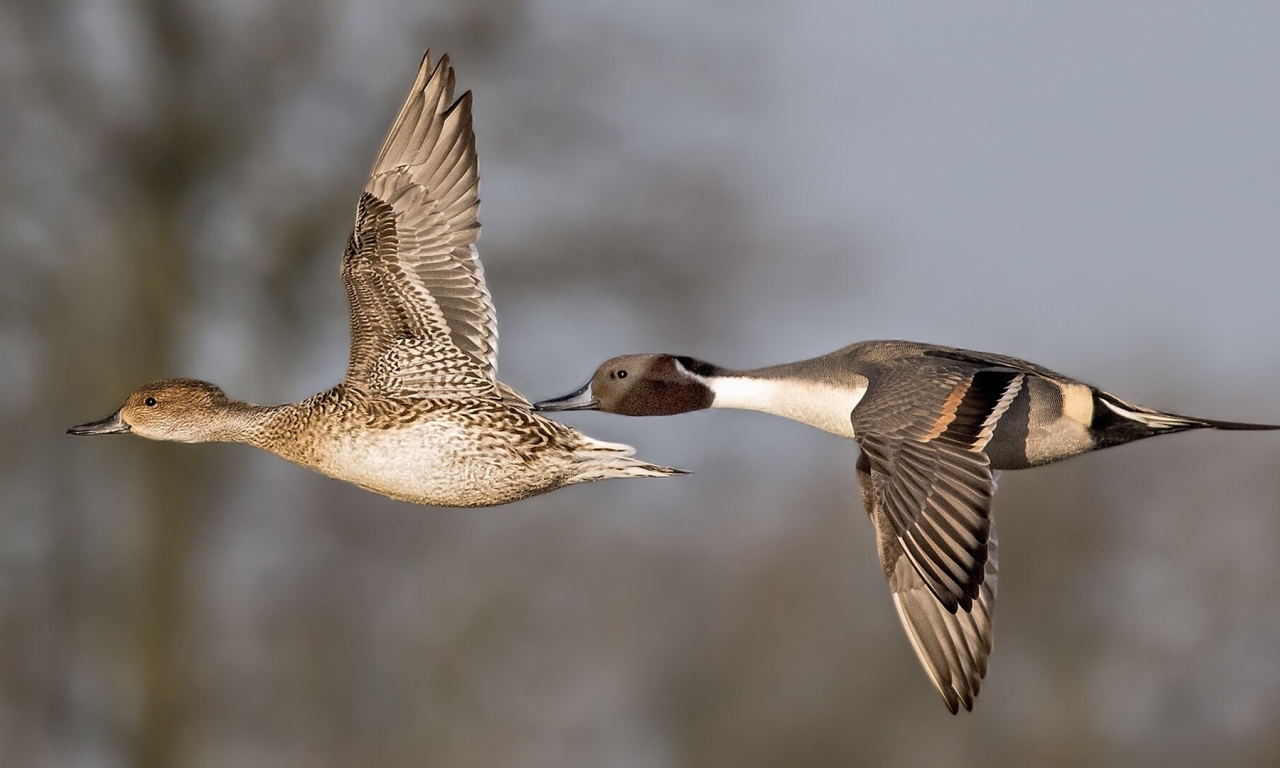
(934, 425)
(420, 416)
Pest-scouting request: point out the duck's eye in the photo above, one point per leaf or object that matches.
(150, 402)
(621, 374)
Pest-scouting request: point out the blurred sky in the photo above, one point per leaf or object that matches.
(1091, 186)
(1087, 185)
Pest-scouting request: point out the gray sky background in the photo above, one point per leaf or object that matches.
(1092, 186)
(1088, 186)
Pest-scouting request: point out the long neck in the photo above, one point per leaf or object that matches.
(240, 422)
(794, 392)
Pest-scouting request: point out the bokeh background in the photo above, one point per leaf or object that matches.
(1090, 185)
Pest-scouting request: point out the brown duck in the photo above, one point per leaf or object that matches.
(420, 416)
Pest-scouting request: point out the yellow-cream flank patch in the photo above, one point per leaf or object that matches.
(1077, 402)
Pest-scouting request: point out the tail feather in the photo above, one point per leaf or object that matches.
(1235, 425)
(598, 460)
(1123, 421)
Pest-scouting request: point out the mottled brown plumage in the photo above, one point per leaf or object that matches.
(420, 416)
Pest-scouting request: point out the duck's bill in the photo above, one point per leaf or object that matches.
(582, 400)
(112, 425)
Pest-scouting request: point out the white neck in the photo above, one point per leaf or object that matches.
(818, 404)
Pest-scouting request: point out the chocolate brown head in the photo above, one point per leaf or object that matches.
(642, 385)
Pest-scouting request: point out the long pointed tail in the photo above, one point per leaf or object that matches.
(598, 460)
(1239, 425)
(1116, 421)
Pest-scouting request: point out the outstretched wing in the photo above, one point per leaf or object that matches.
(953, 646)
(922, 438)
(421, 317)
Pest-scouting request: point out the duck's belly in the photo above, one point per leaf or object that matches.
(435, 463)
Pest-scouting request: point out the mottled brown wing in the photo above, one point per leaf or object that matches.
(953, 647)
(922, 431)
(421, 317)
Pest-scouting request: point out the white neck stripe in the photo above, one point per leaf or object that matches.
(818, 404)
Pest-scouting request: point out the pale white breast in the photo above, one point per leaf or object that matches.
(819, 404)
(434, 462)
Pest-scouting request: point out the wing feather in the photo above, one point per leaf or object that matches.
(422, 319)
(923, 434)
(952, 646)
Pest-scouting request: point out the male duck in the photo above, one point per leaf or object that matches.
(934, 425)
(420, 416)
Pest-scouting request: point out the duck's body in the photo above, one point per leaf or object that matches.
(1049, 418)
(461, 452)
(934, 424)
(420, 416)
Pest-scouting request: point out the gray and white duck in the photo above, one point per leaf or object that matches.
(934, 425)
(421, 415)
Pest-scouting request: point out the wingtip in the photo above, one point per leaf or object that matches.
(953, 703)
(443, 67)
(441, 70)
(957, 700)
(462, 104)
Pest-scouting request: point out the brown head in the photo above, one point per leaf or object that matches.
(184, 410)
(642, 385)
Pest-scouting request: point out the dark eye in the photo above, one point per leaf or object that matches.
(621, 374)
(150, 401)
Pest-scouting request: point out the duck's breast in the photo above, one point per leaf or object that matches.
(440, 462)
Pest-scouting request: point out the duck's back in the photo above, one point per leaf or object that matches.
(1049, 418)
